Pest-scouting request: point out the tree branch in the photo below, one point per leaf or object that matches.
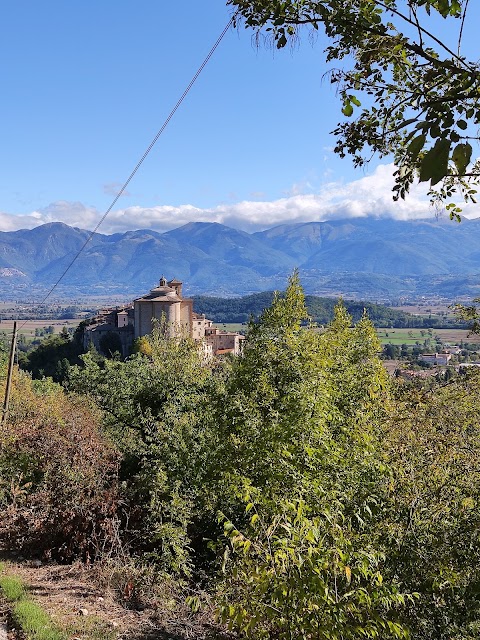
(460, 35)
(425, 32)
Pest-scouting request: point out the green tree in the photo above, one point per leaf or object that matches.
(431, 522)
(421, 98)
(299, 443)
(391, 351)
(296, 399)
(111, 344)
(302, 576)
(157, 409)
(53, 357)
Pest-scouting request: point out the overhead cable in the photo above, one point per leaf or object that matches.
(142, 159)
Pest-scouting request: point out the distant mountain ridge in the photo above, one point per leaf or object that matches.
(364, 257)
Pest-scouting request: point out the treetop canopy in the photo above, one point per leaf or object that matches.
(404, 90)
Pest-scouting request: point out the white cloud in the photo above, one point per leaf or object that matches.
(367, 196)
(74, 214)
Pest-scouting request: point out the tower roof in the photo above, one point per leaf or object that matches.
(162, 293)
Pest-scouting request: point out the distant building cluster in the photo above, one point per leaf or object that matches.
(119, 327)
(441, 359)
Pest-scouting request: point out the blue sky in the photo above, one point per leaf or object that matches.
(86, 85)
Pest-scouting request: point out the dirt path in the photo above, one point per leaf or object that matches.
(6, 630)
(69, 595)
(74, 604)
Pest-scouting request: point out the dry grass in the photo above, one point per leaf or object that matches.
(155, 609)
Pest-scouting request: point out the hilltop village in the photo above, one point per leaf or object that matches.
(164, 303)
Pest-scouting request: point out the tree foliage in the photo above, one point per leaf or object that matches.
(58, 474)
(53, 357)
(337, 503)
(298, 576)
(157, 408)
(226, 310)
(420, 94)
(432, 523)
(299, 401)
(298, 440)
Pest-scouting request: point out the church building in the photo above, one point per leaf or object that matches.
(164, 301)
(116, 329)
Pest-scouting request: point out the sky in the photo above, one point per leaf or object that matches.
(86, 86)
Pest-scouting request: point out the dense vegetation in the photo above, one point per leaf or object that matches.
(296, 491)
(54, 355)
(320, 310)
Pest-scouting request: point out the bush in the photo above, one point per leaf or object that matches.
(158, 410)
(58, 474)
(305, 577)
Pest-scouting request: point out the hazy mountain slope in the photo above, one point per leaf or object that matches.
(232, 247)
(381, 246)
(31, 250)
(358, 257)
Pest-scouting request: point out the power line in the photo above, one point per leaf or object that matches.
(140, 162)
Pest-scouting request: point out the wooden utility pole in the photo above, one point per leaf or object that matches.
(8, 386)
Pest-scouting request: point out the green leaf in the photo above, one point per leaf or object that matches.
(434, 165)
(347, 109)
(461, 157)
(416, 145)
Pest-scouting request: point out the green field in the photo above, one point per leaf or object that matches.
(386, 335)
(232, 326)
(398, 336)
(412, 336)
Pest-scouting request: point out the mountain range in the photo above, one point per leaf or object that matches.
(371, 258)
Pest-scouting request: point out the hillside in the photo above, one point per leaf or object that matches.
(359, 258)
(235, 310)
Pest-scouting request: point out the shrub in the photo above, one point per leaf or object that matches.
(157, 406)
(58, 474)
(304, 577)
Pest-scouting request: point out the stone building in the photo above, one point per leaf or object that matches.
(436, 358)
(200, 326)
(224, 342)
(164, 303)
(111, 329)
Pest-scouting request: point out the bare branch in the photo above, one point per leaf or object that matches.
(460, 35)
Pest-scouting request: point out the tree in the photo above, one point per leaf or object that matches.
(303, 577)
(431, 526)
(300, 409)
(53, 356)
(298, 444)
(422, 96)
(111, 344)
(157, 410)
